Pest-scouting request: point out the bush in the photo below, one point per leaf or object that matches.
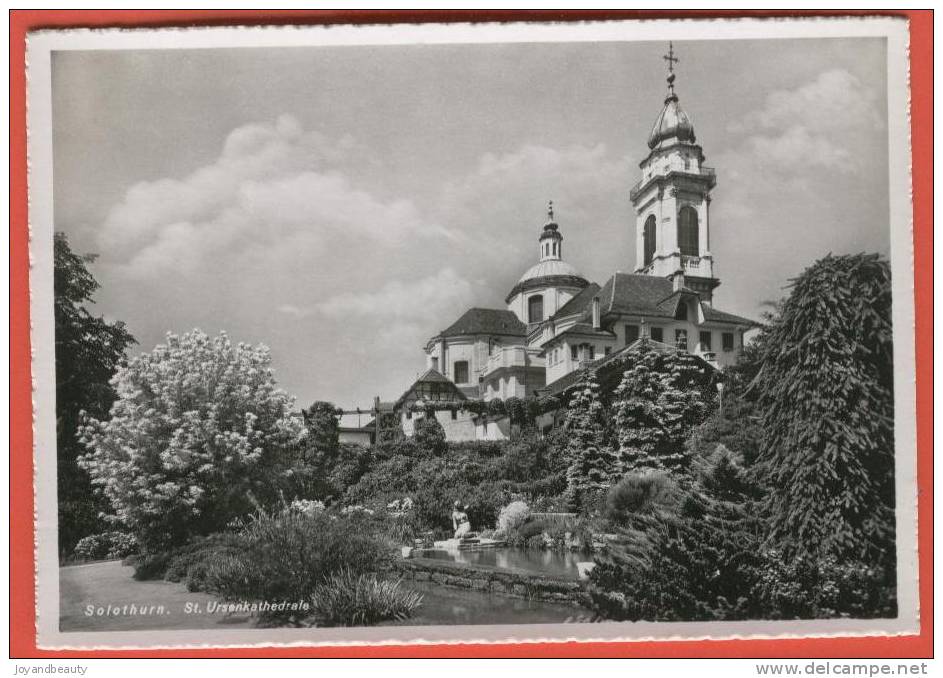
(285, 557)
(636, 494)
(106, 546)
(810, 588)
(513, 516)
(347, 599)
(151, 566)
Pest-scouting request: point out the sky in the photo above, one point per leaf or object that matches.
(343, 204)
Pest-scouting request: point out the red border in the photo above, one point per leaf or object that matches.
(22, 582)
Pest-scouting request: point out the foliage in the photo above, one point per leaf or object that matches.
(349, 599)
(737, 427)
(322, 427)
(513, 516)
(286, 557)
(638, 494)
(434, 484)
(429, 435)
(592, 465)
(663, 395)
(826, 391)
(199, 434)
(88, 352)
(696, 559)
(106, 546)
(807, 587)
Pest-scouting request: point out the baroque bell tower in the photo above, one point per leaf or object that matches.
(672, 201)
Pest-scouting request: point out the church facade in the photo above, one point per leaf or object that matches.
(556, 321)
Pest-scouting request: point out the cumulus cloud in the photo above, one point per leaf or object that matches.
(272, 183)
(817, 124)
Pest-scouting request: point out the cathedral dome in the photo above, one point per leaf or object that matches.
(672, 123)
(546, 269)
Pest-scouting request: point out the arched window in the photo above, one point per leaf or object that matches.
(535, 309)
(681, 312)
(688, 231)
(648, 235)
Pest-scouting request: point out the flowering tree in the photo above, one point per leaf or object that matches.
(198, 435)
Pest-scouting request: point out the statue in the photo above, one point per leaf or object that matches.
(460, 522)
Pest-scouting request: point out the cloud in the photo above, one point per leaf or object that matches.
(272, 184)
(835, 100)
(817, 124)
(421, 299)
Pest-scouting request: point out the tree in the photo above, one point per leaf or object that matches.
(88, 352)
(826, 390)
(199, 435)
(429, 435)
(662, 397)
(592, 465)
(690, 556)
(322, 426)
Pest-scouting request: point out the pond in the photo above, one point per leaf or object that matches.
(444, 605)
(538, 561)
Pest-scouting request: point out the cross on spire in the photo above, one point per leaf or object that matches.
(670, 57)
(672, 60)
(550, 210)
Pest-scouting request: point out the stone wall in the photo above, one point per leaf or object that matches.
(494, 580)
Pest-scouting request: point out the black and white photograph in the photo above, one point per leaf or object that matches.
(472, 332)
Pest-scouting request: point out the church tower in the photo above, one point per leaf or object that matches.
(672, 201)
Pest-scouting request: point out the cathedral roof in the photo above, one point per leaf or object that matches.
(672, 123)
(551, 267)
(579, 303)
(642, 295)
(486, 321)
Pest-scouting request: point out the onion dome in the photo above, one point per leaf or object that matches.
(673, 122)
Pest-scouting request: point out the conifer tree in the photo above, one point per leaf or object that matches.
(593, 466)
(662, 397)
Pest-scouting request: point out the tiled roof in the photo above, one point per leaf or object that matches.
(632, 294)
(587, 330)
(433, 376)
(581, 302)
(713, 315)
(486, 321)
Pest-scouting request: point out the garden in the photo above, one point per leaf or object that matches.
(191, 465)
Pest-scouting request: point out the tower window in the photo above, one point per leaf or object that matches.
(688, 231)
(648, 235)
(535, 309)
(681, 313)
(460, 370)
